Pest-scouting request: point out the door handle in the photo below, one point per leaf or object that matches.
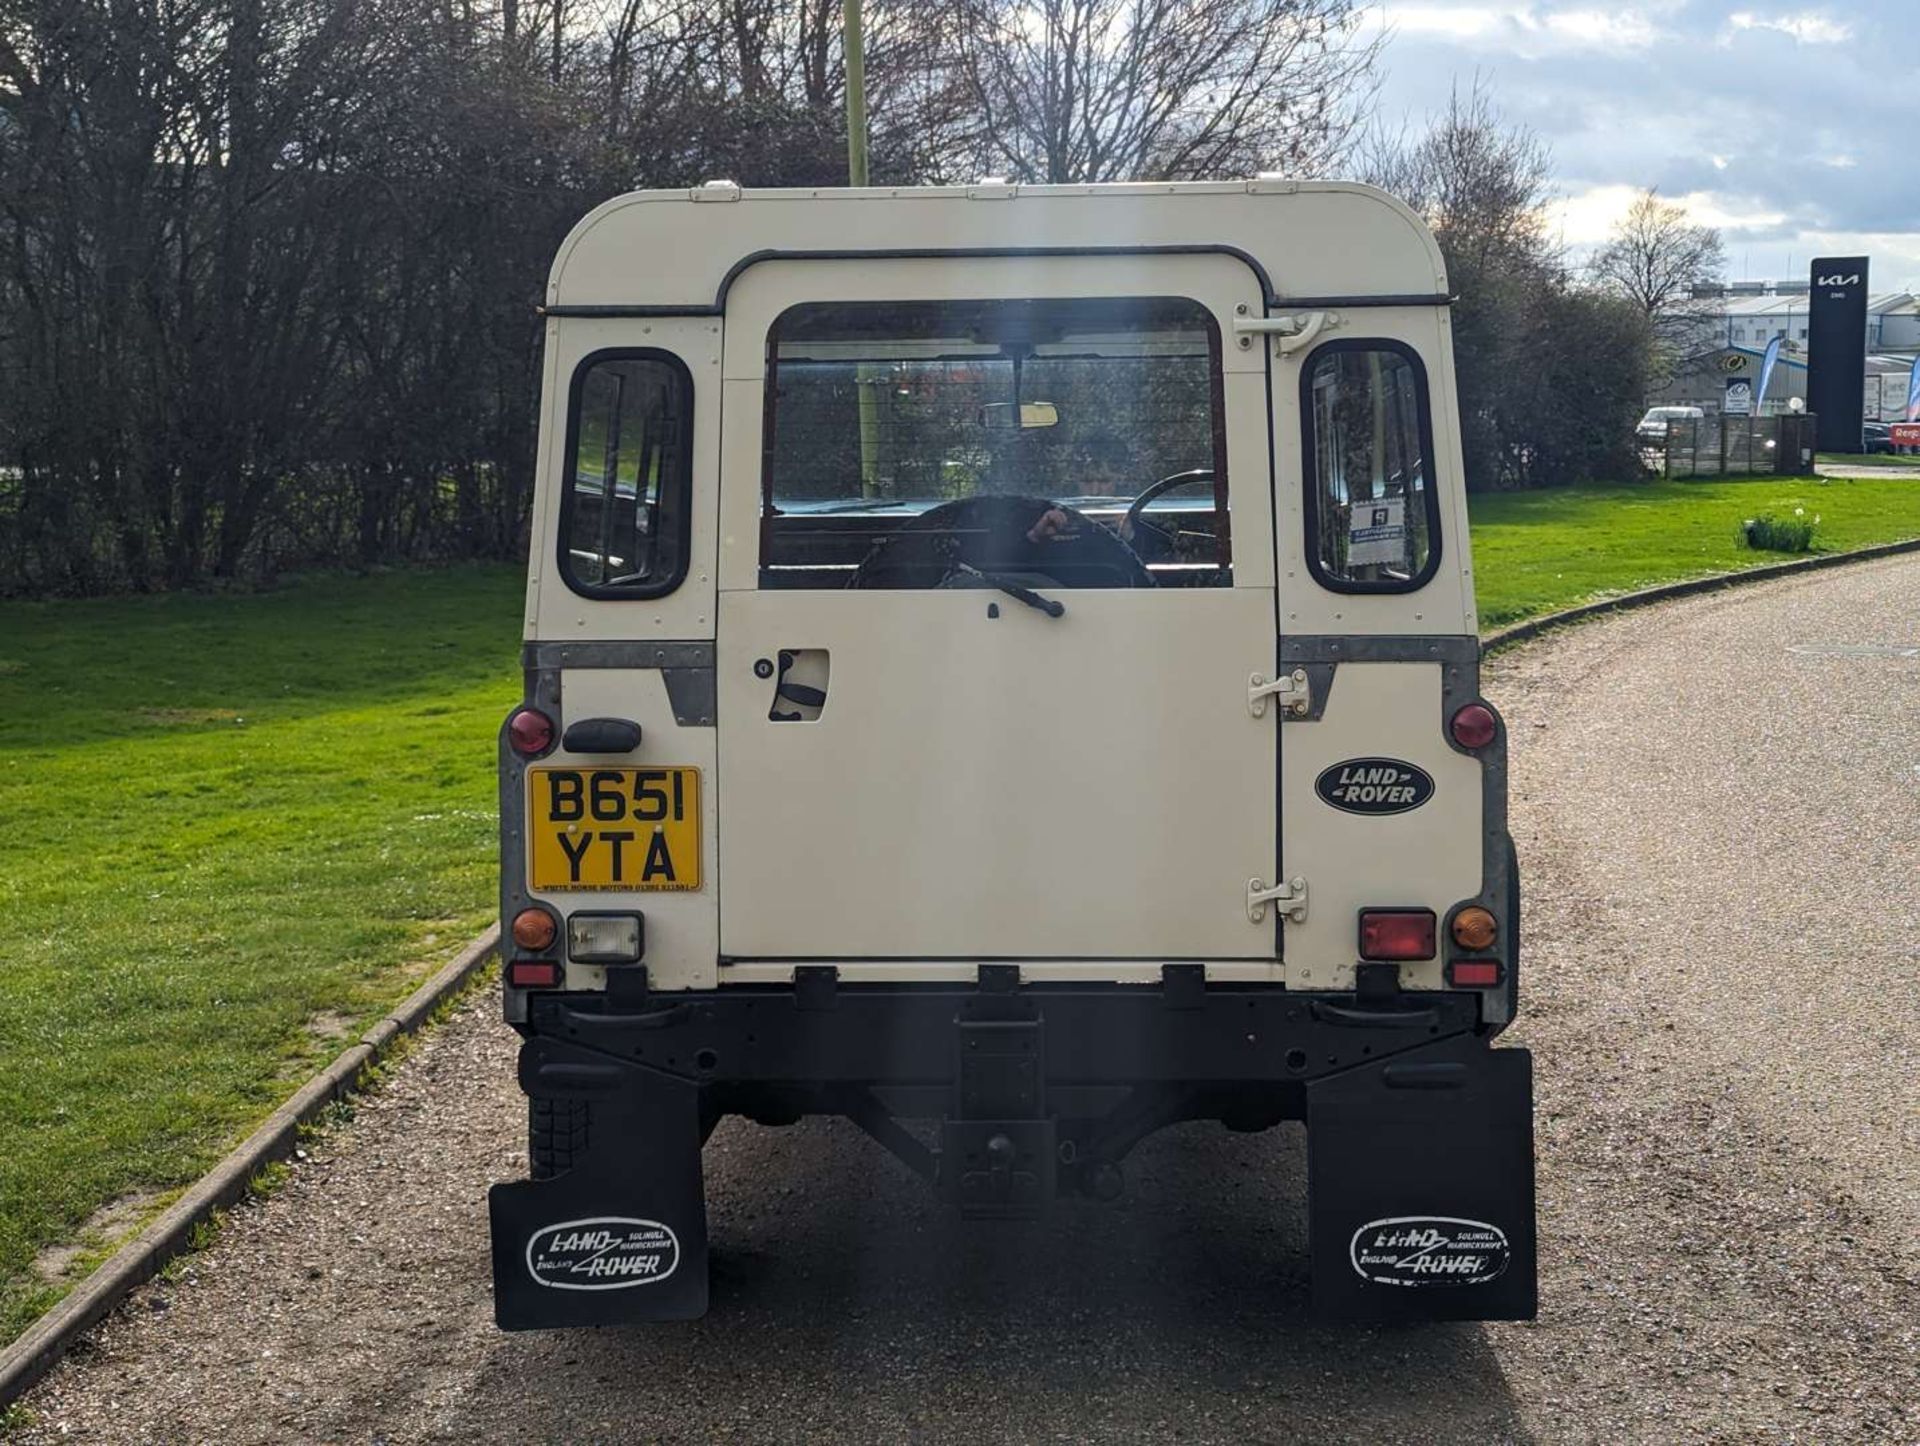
(803, 701)
(601, 735)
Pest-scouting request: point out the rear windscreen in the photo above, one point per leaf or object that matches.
(1077, 443)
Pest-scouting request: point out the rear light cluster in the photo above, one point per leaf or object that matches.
(1397, 934)
(534, 930)
(1412, 935)
(1474, 928)
(592, 938)
(1474, 726)
(530, 732)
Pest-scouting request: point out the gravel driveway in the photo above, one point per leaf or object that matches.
(1718, 810)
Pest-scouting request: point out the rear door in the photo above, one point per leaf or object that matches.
(917, 762)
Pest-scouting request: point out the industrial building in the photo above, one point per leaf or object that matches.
(1722, 369)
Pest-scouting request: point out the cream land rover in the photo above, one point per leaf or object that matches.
(1001, 668)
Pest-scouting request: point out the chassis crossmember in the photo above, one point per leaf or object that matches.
(1420, 1145)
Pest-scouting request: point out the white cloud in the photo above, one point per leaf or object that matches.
(1809, 27)
(1446, 22)
(1586, 218)
(1619, 30)
(1526, 28)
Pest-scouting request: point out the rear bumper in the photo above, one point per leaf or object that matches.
(1418, 1131)
(797, 1050)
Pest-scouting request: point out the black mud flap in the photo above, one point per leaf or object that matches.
(1420, 1187)
(622, 1236)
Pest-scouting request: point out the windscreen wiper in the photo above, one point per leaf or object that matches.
(1020, 593)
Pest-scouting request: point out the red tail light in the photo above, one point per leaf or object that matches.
(530, 732)
(1473, 973)
(534, 974)
(1397, 934)
(1474, 726)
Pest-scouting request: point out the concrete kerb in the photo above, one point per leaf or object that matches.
(1521, 632)
(170, 1233)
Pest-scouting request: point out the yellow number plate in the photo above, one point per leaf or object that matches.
(614, 828)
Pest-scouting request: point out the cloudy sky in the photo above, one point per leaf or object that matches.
(1794, 127)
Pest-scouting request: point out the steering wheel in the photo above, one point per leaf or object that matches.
(1001, 536)
(1132, 524)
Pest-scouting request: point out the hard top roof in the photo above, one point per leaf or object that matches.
(1310, 240)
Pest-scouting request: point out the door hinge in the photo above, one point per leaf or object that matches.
(1290, 331)
(1289, 898)
(1289, 689)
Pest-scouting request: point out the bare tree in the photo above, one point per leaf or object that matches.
(1102, 90)
(1658, 259)
(1483, 185)
(1550, 376)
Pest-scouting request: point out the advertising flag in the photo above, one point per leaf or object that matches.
(1766, 372)
(1913, 392)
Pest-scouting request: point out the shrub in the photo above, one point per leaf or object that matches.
(1767, 533)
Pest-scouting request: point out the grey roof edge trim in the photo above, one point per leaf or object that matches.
(717, 307)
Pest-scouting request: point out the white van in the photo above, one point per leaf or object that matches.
(1001, 667)
(1654, 426)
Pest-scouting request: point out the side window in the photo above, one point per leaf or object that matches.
(1373, 521)
(625, 503)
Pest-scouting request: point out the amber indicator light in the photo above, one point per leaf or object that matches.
(1475, 928)
(535, 930)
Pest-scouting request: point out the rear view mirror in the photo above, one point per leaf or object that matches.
(1001, 417)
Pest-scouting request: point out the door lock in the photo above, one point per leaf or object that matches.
(1289, 898)
(1290, 690)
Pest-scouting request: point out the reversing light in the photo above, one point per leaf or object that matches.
(1473, 973)
(534, 930)
(530, 732)
(605, 938)
(1474, 726)
(1397, 934)
(1475, 928)
(534, 974)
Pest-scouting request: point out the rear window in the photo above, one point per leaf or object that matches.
(1372, 520)
(625, 502)
(1062, 443)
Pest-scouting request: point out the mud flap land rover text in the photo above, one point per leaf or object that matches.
(621, 1236)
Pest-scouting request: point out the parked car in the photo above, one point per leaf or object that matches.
(1876, 437)
(1653, 426)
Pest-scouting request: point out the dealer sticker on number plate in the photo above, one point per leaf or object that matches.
(614, 828)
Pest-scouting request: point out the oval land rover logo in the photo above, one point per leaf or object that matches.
(1375, 785)
(1429, 1250)
(608, 1252)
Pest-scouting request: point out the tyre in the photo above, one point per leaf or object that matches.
(556, 1135)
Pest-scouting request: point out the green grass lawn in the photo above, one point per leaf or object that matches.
(1536, 552)
(1874, 459)
(232, 829)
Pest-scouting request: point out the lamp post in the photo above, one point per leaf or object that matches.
(853, 42)
(866, 378)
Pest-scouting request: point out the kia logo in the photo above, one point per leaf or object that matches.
(1853, 280)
